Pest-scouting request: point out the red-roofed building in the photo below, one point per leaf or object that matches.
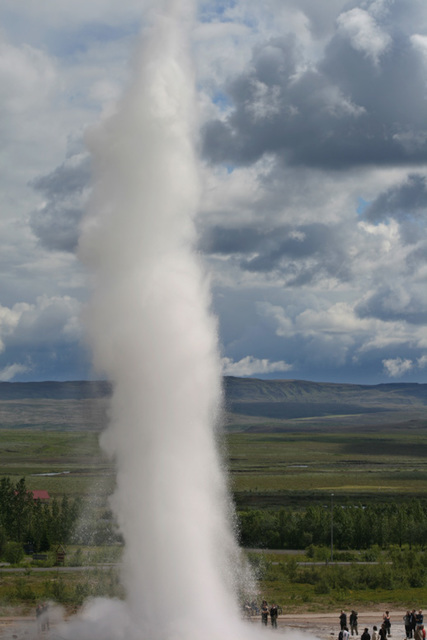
(41, 494)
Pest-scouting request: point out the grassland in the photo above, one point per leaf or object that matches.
(377, 455)
(61, 462)
(279, 469)
(266, 469)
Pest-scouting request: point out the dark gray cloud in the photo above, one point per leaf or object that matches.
(390, 303)
(363, 103)
(407, 204)
(302, 254)
(402, 202)
(57, 227)
(417, 258)
(56, 223)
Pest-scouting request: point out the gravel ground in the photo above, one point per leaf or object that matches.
(324, 626)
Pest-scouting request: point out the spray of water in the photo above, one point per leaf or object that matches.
(152, 333)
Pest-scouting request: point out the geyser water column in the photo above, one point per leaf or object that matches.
(152, 333)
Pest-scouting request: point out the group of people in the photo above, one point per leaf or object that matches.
(414, 624)
(381, 634)
(353, 620)
(412, 620)
(271, 611)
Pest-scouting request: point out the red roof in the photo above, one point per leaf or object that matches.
(40, 494)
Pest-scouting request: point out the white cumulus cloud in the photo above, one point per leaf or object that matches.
(396, 367)
(12, 370)
(364, 33)
(249, 365)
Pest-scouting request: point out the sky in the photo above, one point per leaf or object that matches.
(312, 146)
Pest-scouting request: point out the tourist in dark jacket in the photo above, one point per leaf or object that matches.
(273, 615)
(353, 622)
(264, 612)
(407, 621)
(343, 620)
(413, 621)
(365, 635)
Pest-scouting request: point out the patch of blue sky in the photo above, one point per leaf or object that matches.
(362, 205)
(211, 11)
(222, 101)
(69, 42)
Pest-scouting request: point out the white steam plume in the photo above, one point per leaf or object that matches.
(152, 333)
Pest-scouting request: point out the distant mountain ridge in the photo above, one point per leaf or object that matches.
(257, 390)
(295, 399)
(49, 390)
(236, 390)
(249, 402)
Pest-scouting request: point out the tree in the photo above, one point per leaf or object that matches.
(22, 506)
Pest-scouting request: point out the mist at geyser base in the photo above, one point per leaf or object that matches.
(152, 333)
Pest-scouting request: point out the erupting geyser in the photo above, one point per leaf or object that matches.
(152, 333)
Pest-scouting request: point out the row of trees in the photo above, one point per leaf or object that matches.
(30, 522)
(39, 526)
(353, 527)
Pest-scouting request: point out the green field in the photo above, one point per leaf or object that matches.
(75, 456)
(298, 468)
(281, 469)
(265, 469)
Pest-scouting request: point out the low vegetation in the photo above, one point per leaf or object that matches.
(396, 578)
(283, 473)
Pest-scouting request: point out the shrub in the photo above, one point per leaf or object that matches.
(23, 591)
(57, 590)
(322, 587)
(13, 552)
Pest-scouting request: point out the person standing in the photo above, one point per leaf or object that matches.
(407, 623)
(343, 620)
(45, 617)
(38, 617)
(273, 615)
(345, 634)
(413, 621)
(375, 633)
(387, 622)
(353, 622)
(264, 613)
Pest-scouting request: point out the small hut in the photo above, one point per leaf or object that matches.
(60, 555)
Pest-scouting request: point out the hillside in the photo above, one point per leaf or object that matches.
(74, 390)
(293, 399)
(251, 404)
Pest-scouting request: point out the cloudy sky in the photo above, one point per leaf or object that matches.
(313, 161)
